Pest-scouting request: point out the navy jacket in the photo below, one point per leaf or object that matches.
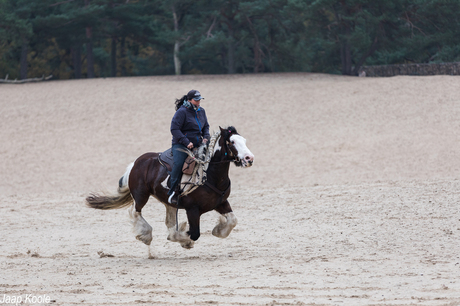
(189, 125)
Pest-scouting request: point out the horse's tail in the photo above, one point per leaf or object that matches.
(121, 199)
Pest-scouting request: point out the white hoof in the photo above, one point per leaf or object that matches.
(188, 245)
(145, 238)
(181, 236)
(225, 226)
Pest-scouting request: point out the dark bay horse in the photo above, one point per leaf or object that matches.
(146, 176)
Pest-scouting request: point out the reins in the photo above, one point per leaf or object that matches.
(222, 161)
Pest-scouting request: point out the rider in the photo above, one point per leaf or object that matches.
(189, 128)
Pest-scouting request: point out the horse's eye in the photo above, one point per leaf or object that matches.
(233, 142)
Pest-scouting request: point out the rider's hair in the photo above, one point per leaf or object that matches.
(180, 101)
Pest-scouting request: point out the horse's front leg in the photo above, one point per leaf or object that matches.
(227, 221)
(193, 216)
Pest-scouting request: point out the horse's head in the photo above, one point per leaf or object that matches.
(235, 146)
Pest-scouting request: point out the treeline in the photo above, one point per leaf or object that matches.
(104, 38)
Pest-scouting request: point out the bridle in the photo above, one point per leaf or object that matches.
(230, 152)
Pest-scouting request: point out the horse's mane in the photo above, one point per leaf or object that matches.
(226, 133)
(206, 151)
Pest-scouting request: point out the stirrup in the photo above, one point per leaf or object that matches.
(173, 198)
(170, 197)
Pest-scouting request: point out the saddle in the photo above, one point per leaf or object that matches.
(194, 172)
(167, 160)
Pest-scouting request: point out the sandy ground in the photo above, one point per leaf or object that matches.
(353, 198)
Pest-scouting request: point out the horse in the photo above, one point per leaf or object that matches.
(147, 176)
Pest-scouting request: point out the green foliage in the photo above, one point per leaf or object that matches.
(145, 37)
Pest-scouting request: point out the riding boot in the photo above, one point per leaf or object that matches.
(173, 198)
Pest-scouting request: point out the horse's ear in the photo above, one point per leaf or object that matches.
(223, 132)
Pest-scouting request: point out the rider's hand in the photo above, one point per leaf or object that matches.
(205, 140)
(190, 146)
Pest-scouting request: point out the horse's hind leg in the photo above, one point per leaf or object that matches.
(227, 221)
(141, 228)
(170, 216)
(177, 235)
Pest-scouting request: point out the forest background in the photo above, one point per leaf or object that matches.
(107, 38)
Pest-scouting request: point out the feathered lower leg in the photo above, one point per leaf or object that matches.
(226, 224)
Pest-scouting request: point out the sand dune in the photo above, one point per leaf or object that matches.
(352, 200)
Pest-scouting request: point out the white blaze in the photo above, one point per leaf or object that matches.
(240, 144)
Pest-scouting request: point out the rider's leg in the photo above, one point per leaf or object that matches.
(176, 173)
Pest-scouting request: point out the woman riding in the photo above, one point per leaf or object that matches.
(189, 129)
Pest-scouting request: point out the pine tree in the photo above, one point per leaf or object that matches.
(354, 29)
(16, 23)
